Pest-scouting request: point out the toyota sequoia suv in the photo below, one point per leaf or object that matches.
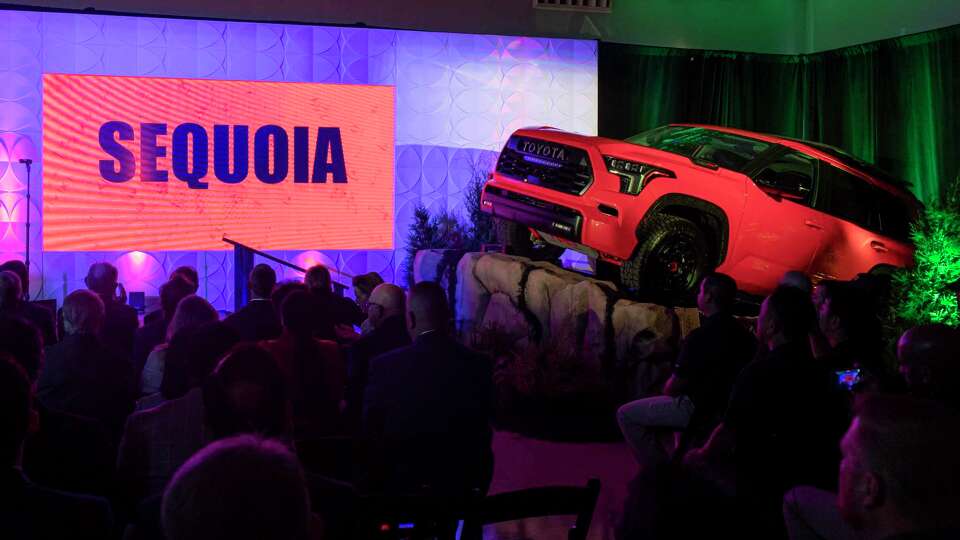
(665, 207)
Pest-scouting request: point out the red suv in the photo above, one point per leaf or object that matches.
(673, 203)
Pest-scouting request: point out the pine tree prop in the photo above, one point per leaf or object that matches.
(920, 293)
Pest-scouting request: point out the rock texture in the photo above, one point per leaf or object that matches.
(571, 334)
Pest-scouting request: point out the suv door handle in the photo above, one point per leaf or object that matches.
(813, 224)
(879, 246)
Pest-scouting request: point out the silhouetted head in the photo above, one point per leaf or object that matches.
(427, 309)
(718, 292)
(83, 313)
(929, 360)
(188, 273)
(317, 279)
(10, 293)
(249, 394)
(262, 280)
(797, 280)
(386, 300)
(192, 311)
(172, 292)
(298, 314)
(20, 269)
(786, 316)
(102, 279)
(363, 285)
(241, 488)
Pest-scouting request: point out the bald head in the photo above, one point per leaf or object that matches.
(102, 279)
(427, 309)
(10, 291)
(387, 300)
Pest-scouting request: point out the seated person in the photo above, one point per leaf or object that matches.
(427, 407)
(710, 359)
(257, 320)
(82, 375)
(120, 321)
(192, 311)
(30, 510)
(64, 451)
(312, 369)
(239, 488)
(784, 419)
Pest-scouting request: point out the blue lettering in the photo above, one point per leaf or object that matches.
(300, 158)
(181, 154)
(329, 145)
(150, 151)
(124, 132)
(221, 153)
(261, 154)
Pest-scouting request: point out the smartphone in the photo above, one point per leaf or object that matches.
(848, 378)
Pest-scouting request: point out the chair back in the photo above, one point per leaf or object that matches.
(537, 502)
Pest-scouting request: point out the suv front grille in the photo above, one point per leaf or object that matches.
(543, 163)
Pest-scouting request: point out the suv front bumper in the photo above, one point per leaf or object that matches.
(534, 213)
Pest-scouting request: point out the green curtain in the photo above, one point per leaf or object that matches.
(895, 103)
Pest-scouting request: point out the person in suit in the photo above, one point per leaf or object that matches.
(120, 321)
(245, 394)
(64, 451)
(313, 369)
(41, 317)
(428, 406)
(332, 310)
(154, 333)
(82, 375)
(257, 320)
(30, 510)
(386, 308)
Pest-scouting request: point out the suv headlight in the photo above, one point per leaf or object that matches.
(633, 174)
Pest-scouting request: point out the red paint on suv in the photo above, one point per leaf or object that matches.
(670, 204)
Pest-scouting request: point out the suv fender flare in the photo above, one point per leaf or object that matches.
(710, 217)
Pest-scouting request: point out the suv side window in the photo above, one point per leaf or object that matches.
(848, 197)
(853, 199)
(791, 176)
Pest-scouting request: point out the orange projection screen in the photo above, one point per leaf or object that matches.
(135, 163)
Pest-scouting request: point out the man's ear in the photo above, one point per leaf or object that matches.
(873, 490)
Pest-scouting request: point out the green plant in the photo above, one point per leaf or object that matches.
(447, 229)
(920, 293)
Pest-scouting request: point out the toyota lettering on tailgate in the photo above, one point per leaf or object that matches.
(543, 149)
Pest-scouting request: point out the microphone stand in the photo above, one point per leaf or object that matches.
(27, 162)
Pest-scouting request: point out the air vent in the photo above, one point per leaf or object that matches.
(591, 6)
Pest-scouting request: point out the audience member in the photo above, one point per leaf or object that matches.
(784, 419)
(837, 317)
(927, 357)
(900, 473)
(120, 321)
(186, 273)
(386, 310)
(245, 394)
(427, 407)
(332, 309)
(257, 320)
(82, 375)
(154, 333)
(312, 368)
(697, 392)
(64, 451)
(238, 488)
(190, 358)
(39, 315)
(30, 510)
(797, 280)
(284, 289)
(192, 311)
(363, 286)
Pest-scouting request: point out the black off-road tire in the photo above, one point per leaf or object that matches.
(672, 257)
(517, 240)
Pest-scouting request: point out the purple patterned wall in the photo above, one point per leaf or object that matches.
(458, 98)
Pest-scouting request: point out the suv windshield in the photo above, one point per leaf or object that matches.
(724, 149)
